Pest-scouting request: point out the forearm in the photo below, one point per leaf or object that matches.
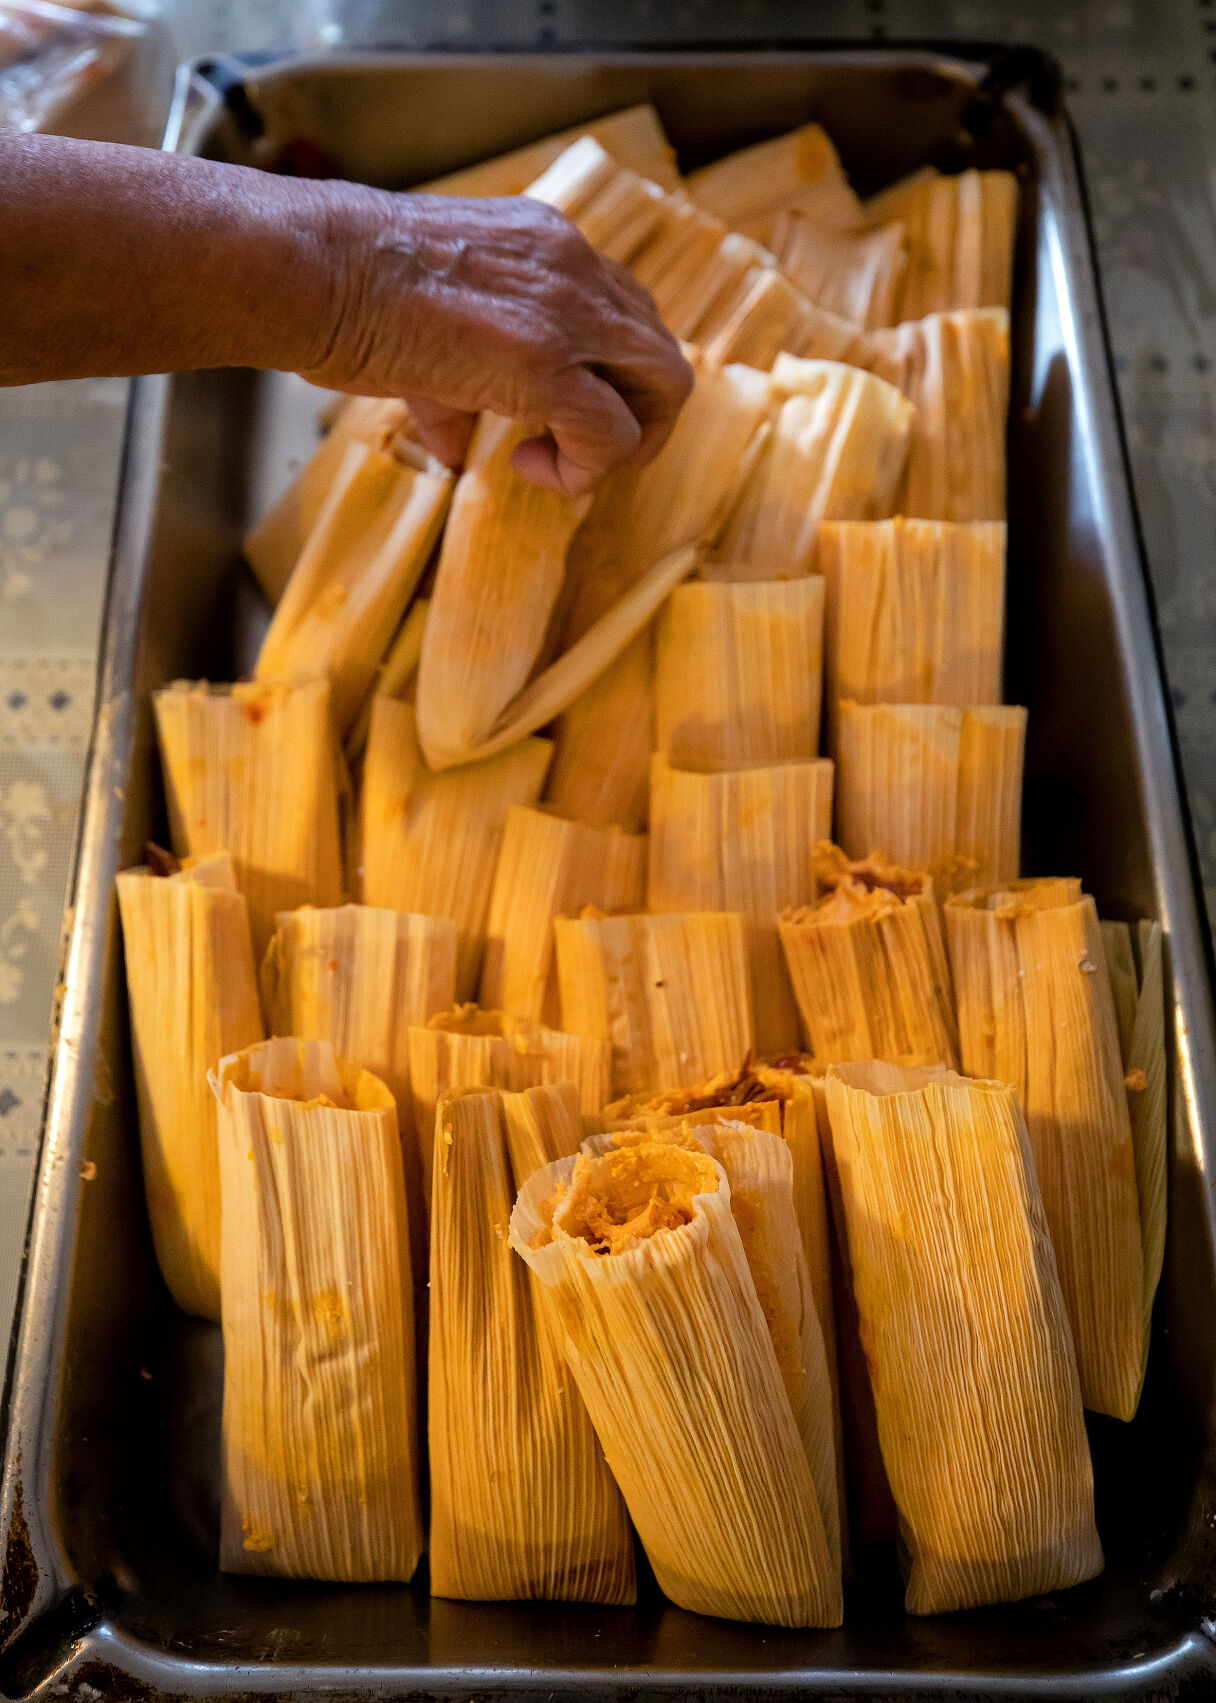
(116, 261)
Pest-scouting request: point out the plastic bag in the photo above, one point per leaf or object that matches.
(51, 53)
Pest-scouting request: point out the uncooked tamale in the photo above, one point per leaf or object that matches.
(319, 1474)
(836, 453)
(522, 1502)
(470, 1048)
(742, 840)
(634, 136)
(193, 998)
(799, 169)
(395, 678)
(868, 964)
(254, 770)
(1124, 982)
(915, 611)
(954, 367)
(856, 274)
(642, 1268)
(975, 1386)
(738, 673)
(272, 545)
(959, 233)
(616, 208)
(671, 994)
(769, 314)
(933, 787)
(550, 867)
(431, 842)
(1035, 1010)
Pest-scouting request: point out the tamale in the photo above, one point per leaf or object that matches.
(395, 677)
(1149, 1113)
(642, 1268)
(431, 842)
(742, 841)
(1124, 982)
(617, 209)
(356, 573)
(634, 136)
(959, 234)
(604, 742)
(868, 964)
(934, 787)
(1035, 1010)
(254, 770)
(470, 1048)
(769, 314)
(193, 998)
(979, 1408)
(836, 453)
(550, 867)
(799, 169)
(272, 545)
(522, 1502)
(857, 275)
(671, 994)
(738, 673)
(954, 367)
(914, 611)
(320, 1447)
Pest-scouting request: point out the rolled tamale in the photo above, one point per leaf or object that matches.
(320, 1448)
(1035, 1010)
(193, 998)
(395, 678)
(634, 136)
(856, 274)
(959, 235)
(966, 1335)
(643, 1270)
(800, 169)
(770, 316)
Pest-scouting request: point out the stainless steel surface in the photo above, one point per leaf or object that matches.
(108, 1494)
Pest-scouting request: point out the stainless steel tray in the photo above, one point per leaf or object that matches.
(109, 1498)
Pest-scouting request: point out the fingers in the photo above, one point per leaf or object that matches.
(445, 431)
(590, 431)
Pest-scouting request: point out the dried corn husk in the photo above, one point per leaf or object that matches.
(959, 234)
(671, 994)
(193, 998)
(643, 1271)
(395, 678)
(254, 770)
(356, 574)
(431, 842)
(857, 275)
(604, 742)
(522, 1502)
(915, 611)
(273, 544)
(979, 1410)
(1124, 982)
(742, 841)
(738, 673)
(550, 867)
(954, 367)
(800, 169)
(769, 315)
(1149, 1113)
(836, 453)
(934, 787)
(1035, 1010)
(320, 1446)
(471, 1048)
(634, 136)
(868, 965)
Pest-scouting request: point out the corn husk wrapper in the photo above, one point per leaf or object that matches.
(273, 544)
(395, 677)
(470, 1048)
(742, 841)
(933, 787)
(670, 994)
(738, 673)
(254, 770)
(1149, 1105)
(770, 315)
(868, 965)
(857, 275)
(550, 867)
(431, 842)
(915, 612)
(357, 572)
(800, 169)
(1035, 1010)
(634, 136)
(836, 453)
(954, 368)
(320, 1445)
(1124, 979)
(193, 998)
(643, 1270)
(522, 1502)
(959, 233)
(979, 1409)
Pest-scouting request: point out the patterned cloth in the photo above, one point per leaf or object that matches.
(1141, 77)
